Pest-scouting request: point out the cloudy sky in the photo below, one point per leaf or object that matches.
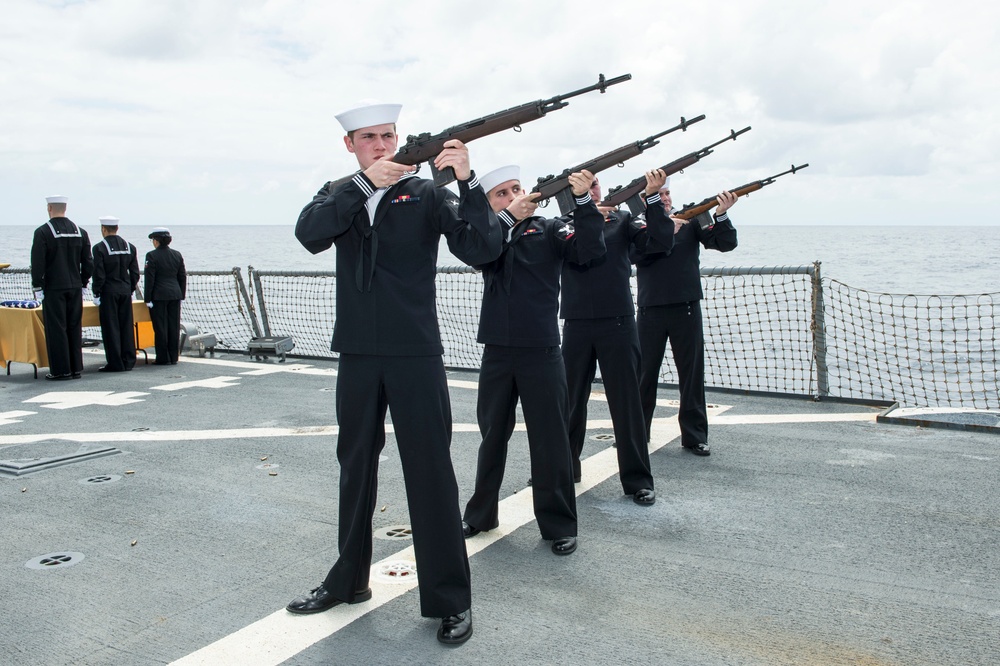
(221, 112)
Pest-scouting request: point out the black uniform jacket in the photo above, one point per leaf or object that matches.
(165, 276)
(60, 256)
(386, 271)
(601, 287)
(116, 268)
(672, 277)
(521, 291)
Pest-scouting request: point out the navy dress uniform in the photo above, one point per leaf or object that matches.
(116, 275)
(164, 287)
(670, 296)
(386, 333)
(599, 327)
(519, 327)
(61, 266)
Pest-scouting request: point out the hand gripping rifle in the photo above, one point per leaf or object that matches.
(558, 186)
(630, 194)
(425, 147)
(694, 210)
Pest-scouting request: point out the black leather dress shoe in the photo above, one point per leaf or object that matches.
(105, 368)
(456, 629)
(699, 449)
(58, 378)
(319, 600)
(644, 497)
(468, 530)
(564, 545)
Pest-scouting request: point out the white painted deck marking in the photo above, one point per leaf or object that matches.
(211, 382)
(71, 399)
(744, 419)
(203, 435)
(7, 418)
(262, 368)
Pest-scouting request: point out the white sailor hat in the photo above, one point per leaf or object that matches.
(159, 231)
(500, 176)
(108, 221)
(57, 199)
(367, 114)
(666, 184)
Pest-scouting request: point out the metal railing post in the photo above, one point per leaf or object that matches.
(255, 277)
(819, 334)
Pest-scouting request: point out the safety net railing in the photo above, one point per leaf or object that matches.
(216, 301)
(301, 304)
(915, 350)
(771, 329)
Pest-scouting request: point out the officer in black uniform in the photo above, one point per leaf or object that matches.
(165, 286)
(670, 296)
(386, 225)
(116, 274)
(520, 327)
(61, 266)
(599, 327)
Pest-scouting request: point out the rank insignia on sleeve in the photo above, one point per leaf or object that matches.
(567, 230)
(453, 203)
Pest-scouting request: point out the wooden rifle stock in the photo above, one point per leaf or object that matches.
(558, 186)
(630, 194)
(694, 210)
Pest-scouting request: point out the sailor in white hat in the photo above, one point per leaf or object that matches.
(61, 265)
(390, 350)
(519, 326)
(116, 275)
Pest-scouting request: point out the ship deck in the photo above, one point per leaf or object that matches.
(168, 514)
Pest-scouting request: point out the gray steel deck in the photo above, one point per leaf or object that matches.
(812, 535)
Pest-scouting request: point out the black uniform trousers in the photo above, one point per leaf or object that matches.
(613, 343)
(415, 391)
(166, 319)
(681, 324)
(117, 331)
(62, 312)
(538, 377)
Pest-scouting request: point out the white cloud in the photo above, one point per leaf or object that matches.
(186, 101)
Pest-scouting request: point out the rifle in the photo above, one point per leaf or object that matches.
(694, 210)
(425, 147)
(558, 186)
(630, 194)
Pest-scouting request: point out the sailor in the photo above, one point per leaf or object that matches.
(519, 325)
(599, 327)
(116, 274)
(386, 225)
(61, 266)
(165, 286)
(670, 296)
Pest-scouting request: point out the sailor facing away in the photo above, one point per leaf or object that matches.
(61, 266)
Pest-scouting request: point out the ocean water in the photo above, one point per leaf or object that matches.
(886, 259)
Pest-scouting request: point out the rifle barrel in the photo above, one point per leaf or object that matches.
(602, 85)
